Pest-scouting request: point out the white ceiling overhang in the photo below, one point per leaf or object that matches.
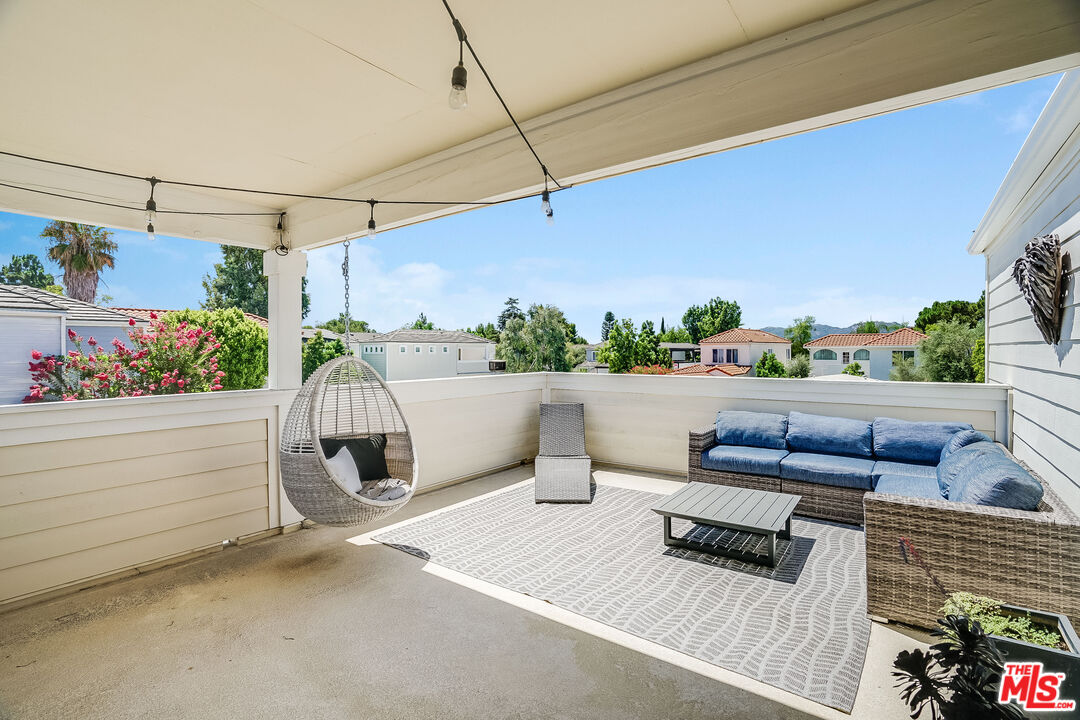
(348, 99)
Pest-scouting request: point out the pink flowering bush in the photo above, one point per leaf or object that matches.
(160, 361)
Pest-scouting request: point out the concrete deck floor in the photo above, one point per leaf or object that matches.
(312, 625)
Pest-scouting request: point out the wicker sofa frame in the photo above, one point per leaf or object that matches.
(919, 550)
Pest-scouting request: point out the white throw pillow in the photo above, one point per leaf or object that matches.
(344, 468)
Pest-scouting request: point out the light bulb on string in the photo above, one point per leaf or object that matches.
(151, 211)
(545, 205)
(459, 78)
(371, 221)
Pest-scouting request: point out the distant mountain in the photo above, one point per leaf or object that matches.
(821, 330)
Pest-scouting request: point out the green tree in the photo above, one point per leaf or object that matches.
(82, 251)
(618, 351)
(904, 370)
(946, 353)
(676, 334)
(243, 352)
(966, 312)
(572, 336)
(535, 344)
(798, 366)
(487, 331)
(769, 366)
(853, 369)
(715, 317)
(575, 355)
(511, 311)
(26, 270)
(422, 323)
(318, 350)
(238, 281)
(337, 325)
(662, 328)
(647, 350)
(978, 359)
(800, 332)
(605, 327)
(867, 327)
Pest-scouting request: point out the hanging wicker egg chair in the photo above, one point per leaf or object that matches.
(345, 400)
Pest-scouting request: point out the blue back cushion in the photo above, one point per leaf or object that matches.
(831, 435)
(962, 439)
(994, 479)
(756, 429)
(907, 441)
(952, 470)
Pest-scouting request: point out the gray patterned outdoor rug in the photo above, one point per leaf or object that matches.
(801, 627)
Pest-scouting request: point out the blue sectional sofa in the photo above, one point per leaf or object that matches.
(833, 461)
(944, 508)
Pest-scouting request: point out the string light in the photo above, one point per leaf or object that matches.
(151, 210)
(459, 78)
(282, 249)
(545, 200)
(371, 221)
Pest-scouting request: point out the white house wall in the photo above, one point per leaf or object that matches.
(1045, 186)
(19, 336)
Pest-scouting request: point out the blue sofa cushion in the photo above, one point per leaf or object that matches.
(997, 480)
(908, 486)
(835, 470)
(751, 429)
(888, 467)
(962, 439)
(950, 471)
(830, 435)
(742, 459)
(908, 441)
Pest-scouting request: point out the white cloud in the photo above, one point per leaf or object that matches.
(843, 306)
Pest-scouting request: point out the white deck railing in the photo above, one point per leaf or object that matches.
(90, 489)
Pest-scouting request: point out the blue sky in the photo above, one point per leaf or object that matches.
(865, 219)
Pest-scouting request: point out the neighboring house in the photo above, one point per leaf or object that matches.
(682, 353)
(592, 363)
(356, 339)
(876, 353)
(713, 370)
(417, 354)
(743, 347)
(33, 319)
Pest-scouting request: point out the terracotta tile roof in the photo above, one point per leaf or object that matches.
(744, 335)
(715, 370)
(144, 314)
(903, 337)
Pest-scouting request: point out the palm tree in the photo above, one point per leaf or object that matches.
(83, 251)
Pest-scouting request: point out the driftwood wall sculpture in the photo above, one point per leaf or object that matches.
(1038, 272)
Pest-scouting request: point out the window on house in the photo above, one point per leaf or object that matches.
(445, 349)
(416, 348)
(401, 348)
(716, 355)
(824, 355)
(899, 355)
(789, 353)
(846, 358)
(733, 356)
(862, 354)
(431, 348)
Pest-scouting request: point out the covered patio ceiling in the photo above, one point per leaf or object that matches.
(350, 98)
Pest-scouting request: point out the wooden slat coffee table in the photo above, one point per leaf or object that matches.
(753, 511)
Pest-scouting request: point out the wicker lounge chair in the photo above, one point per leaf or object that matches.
(562, 467)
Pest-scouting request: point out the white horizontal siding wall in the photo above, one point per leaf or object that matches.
(643, 420)
(89, 489)
(1040, 195)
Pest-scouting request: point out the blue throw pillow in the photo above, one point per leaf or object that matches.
(829, 435)
(962, 439)
(907, 441)
(951, 470)
(996, 480)
(755, 429)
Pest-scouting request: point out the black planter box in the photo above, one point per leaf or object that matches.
(1053, 660)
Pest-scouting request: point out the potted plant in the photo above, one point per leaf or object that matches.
(1025, 635)
(958, 678)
